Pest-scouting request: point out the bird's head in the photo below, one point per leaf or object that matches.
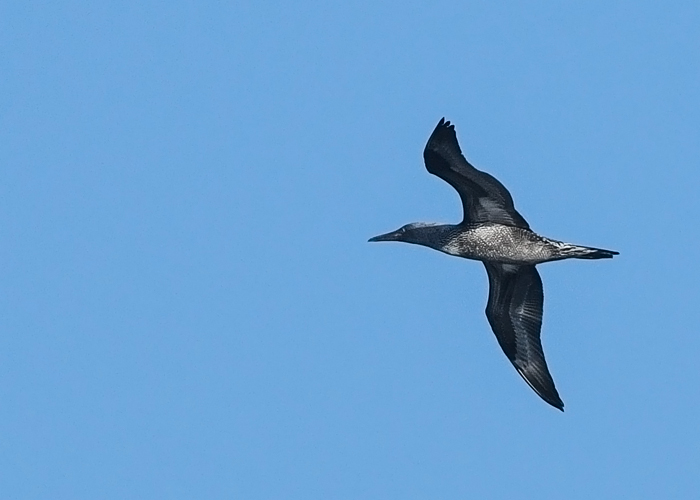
(416, 232)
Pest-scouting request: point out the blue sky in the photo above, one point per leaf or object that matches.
(189, 305)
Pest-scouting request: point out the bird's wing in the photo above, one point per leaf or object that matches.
(514, 311)
(484, 198)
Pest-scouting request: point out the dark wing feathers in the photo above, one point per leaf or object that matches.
(514, 311)
(515, 303)
(484, 199)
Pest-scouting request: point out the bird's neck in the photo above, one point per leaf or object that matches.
(435, 237)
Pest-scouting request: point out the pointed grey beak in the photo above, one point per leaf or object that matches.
(392, 236)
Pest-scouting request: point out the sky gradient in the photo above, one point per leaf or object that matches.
(190, 307)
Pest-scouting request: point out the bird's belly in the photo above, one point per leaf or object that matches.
(494, 242)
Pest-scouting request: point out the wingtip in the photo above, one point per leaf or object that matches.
(547, 392)
(444, 123)
(552, 400)
(444, 133)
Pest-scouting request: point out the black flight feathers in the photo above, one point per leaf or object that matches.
(516, 299)
(492, 228)
(484, 199)
(514, 311)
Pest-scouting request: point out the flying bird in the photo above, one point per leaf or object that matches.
(493, 232)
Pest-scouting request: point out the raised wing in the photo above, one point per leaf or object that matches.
(484, 198)
(514, 311)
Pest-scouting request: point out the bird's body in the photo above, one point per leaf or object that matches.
(496, 234)
(489, 241)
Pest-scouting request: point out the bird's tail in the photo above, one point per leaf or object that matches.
(569, 251)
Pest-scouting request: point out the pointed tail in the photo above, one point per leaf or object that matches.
(579, 252)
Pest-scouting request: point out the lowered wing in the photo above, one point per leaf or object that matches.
(514, 311)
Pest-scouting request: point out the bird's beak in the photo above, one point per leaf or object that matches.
(392, 236)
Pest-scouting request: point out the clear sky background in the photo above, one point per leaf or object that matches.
(190, 307)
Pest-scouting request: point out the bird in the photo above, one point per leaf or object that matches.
(493, 231)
